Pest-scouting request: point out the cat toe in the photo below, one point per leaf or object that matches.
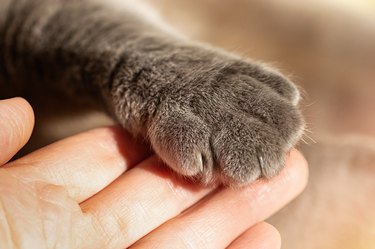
(181, 139)
(246, 149)
(268, 77)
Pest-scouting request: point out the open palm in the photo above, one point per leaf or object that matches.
(102, 189)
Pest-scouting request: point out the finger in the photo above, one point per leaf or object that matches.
(84, 164)
(16, 125)
(216, 220)
(136, 203)
(260, 236)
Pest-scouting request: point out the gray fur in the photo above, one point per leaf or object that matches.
(208, 114)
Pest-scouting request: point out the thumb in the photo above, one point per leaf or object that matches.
(16, 125)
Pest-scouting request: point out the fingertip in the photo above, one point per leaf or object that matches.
(19, 108)
(260, 236)
(297, 169)
(273, 235)
(25, 107)
(16, 125)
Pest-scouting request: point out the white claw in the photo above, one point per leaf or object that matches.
(200, 162)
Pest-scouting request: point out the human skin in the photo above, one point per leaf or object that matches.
(103, 189)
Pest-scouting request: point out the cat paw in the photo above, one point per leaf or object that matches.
(233, 123)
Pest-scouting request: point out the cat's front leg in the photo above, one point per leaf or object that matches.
(208, 114)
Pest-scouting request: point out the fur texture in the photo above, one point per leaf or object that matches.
(208, 114)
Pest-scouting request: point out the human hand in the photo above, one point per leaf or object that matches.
(101, 189)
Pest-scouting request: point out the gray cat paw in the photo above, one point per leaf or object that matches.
(233, 125)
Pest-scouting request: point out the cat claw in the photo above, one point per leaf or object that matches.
(261, 164)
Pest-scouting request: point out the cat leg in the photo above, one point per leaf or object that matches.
(208, 114)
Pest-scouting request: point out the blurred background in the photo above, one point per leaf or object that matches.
(327, 47)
